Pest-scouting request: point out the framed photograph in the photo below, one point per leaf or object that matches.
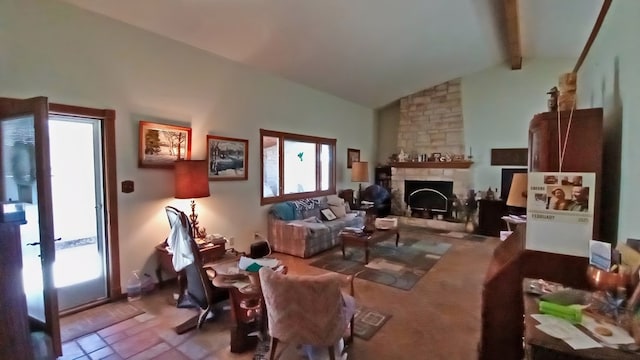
(159, 145)
(227, 158)
(328, 214)
(353, 155)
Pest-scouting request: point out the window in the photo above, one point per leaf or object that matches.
(296, 166)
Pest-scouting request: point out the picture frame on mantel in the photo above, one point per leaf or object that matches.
(353, 155)
(227, 158)
(160, 145)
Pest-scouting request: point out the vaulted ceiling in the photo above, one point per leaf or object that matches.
(371, 52)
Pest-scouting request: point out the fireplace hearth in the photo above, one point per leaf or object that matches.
(429, 199)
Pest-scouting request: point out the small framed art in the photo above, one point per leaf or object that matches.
(328, 214)
(227, 158)
(353, 155)
(160, 145)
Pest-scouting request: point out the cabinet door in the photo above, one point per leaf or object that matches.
(26, 177)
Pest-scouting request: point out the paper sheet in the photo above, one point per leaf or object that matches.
(618, 334)
(245, 262)
(565, 331)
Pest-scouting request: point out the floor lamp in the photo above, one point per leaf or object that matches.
(360, 174)
(192, 182)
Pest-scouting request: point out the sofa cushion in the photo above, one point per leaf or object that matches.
(339, 210)
(283, 211)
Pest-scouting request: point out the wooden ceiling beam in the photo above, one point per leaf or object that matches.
(513, 33)
(592, 37)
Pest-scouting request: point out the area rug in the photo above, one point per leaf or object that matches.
(399, 267)
(464, 236)
(92, 320)
(366, 323)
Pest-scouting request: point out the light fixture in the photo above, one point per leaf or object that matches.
(192, 182)
(360, 174)
(518, 191)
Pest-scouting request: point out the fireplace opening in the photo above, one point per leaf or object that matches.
(429, 199)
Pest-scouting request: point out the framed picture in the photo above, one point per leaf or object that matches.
(227, 158)
(159, 145)
(353, 155)
(328, 214)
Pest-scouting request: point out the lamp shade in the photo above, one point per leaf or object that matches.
(192, 179)
(518, 191)
(360, 171)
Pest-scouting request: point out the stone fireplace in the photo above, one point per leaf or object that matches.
(430, 198)
(457, 179)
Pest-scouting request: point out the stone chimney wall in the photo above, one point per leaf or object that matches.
(431, 121)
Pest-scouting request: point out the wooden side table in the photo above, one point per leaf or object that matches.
(366, 239)
(208, 254)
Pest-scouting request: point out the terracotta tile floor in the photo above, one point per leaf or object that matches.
(438, 319)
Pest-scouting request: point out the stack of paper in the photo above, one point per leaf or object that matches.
(253, 265)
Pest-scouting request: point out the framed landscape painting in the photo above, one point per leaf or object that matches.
(227, 158)
(353, 155)
(161, 145)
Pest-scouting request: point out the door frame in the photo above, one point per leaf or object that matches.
(107, 121)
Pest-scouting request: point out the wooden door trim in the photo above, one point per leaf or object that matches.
(107, 117)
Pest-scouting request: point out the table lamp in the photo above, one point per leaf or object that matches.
(360, 174)
(192, 182)
(518, 191)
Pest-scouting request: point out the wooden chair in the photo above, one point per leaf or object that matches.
(305, 309)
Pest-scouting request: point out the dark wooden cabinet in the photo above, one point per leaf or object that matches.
(14, 323)
(582, 147)
(383, 177)
(490, 213)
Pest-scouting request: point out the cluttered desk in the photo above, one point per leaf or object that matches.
(604, 323)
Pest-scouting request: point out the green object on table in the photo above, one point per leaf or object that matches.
(570, 313)
(253, 267)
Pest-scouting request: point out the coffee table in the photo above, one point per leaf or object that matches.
(367, 239)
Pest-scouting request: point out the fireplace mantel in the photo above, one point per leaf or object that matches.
(463, 164)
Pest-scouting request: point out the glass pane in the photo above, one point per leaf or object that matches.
(19, 184)
(325, 161)
(299, 167)
(270, 165)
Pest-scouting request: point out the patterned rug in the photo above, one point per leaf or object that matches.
(464, 236)
(399, 267)
(88, 321)
(366, 323)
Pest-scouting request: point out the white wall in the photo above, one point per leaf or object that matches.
(78, 58)
(609, 78)
(388, 119)
(497, 105)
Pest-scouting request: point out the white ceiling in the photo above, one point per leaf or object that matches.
(371, 52)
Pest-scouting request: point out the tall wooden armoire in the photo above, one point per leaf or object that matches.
(582, 151)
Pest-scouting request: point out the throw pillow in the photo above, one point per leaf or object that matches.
(283, 211)
(334, 200)
(339, 210)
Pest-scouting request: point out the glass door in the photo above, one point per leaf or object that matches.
(80, 269)
(26, 177)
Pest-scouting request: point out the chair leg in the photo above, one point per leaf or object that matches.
(272, 350)
(332, 354)
(350, 340)
(203, 316)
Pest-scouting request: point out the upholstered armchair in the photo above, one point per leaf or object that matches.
(306, 309)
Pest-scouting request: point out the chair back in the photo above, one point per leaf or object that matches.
(303, 309)
(199, 286)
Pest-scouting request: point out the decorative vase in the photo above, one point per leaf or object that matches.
(470, 226)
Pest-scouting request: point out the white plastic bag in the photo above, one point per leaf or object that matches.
(178, 242)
